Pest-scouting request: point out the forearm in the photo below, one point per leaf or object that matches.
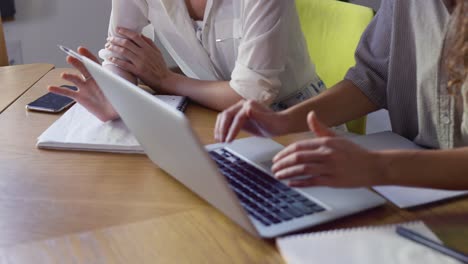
(339, 104)
(443, 169)
(217, 95)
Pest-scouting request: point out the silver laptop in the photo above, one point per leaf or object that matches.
(234, 178)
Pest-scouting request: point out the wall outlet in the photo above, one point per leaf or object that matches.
(15, 52)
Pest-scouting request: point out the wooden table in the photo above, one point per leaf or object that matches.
(15, 80)
(113, 208)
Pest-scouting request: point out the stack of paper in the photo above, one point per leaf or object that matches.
(78, 129)
(402, 197)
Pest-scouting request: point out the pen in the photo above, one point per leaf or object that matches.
(411, 235)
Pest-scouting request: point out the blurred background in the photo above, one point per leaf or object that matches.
(32, 34)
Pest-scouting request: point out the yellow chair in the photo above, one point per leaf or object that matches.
(3, 51)
(332, 30)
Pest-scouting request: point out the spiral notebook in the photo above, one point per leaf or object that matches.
(80, 130)
(365, 245)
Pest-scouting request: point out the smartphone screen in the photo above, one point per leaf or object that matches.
(51, 102)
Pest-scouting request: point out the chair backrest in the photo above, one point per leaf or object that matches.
(333, 30)
(3, 50)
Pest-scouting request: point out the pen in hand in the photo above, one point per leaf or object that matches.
(411, 235)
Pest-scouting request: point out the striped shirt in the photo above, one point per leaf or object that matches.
(398, 66)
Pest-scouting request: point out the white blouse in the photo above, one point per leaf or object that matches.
(257, 45)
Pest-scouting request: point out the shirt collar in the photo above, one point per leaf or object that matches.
(177, 13)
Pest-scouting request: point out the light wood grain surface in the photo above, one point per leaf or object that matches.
(196, 236)
(75, 207)
(15, 80)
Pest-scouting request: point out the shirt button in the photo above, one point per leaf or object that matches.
(445, 120)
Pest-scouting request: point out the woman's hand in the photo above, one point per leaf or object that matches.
(251, 116)
(89, 94)
(327, 160)
(139, 56)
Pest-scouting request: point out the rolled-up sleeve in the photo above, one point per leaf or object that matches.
(261, 57)
(372, 56)
(131, 14)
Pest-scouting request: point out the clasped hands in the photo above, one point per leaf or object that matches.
(138, 55)
(134, 53)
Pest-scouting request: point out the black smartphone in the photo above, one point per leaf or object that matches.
(52, 103)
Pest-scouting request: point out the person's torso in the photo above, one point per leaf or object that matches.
(419, 103)
(213, 54)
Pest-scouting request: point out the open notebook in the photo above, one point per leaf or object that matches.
(403, 197)
(79, 130)
(366, 245)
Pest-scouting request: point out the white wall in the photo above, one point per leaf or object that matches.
(375, 4)
(42, 24)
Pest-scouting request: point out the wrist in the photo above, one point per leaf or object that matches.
(168, 82)
(286, 118)
(294, 120)
(382, 175)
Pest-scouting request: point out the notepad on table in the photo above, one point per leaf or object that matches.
(80, 130)
(365, 245)
(403, 197)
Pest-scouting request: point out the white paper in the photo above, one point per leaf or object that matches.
(367, 245)
(80, 130)
(402, 197)
(384, 140)
(405, 197)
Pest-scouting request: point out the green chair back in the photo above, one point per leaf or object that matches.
(332, 30)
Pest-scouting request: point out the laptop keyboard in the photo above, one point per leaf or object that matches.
(265, 198)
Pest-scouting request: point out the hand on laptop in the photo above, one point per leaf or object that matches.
(251, 116)
(89, 95)
(328, 159)
(139, 55)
